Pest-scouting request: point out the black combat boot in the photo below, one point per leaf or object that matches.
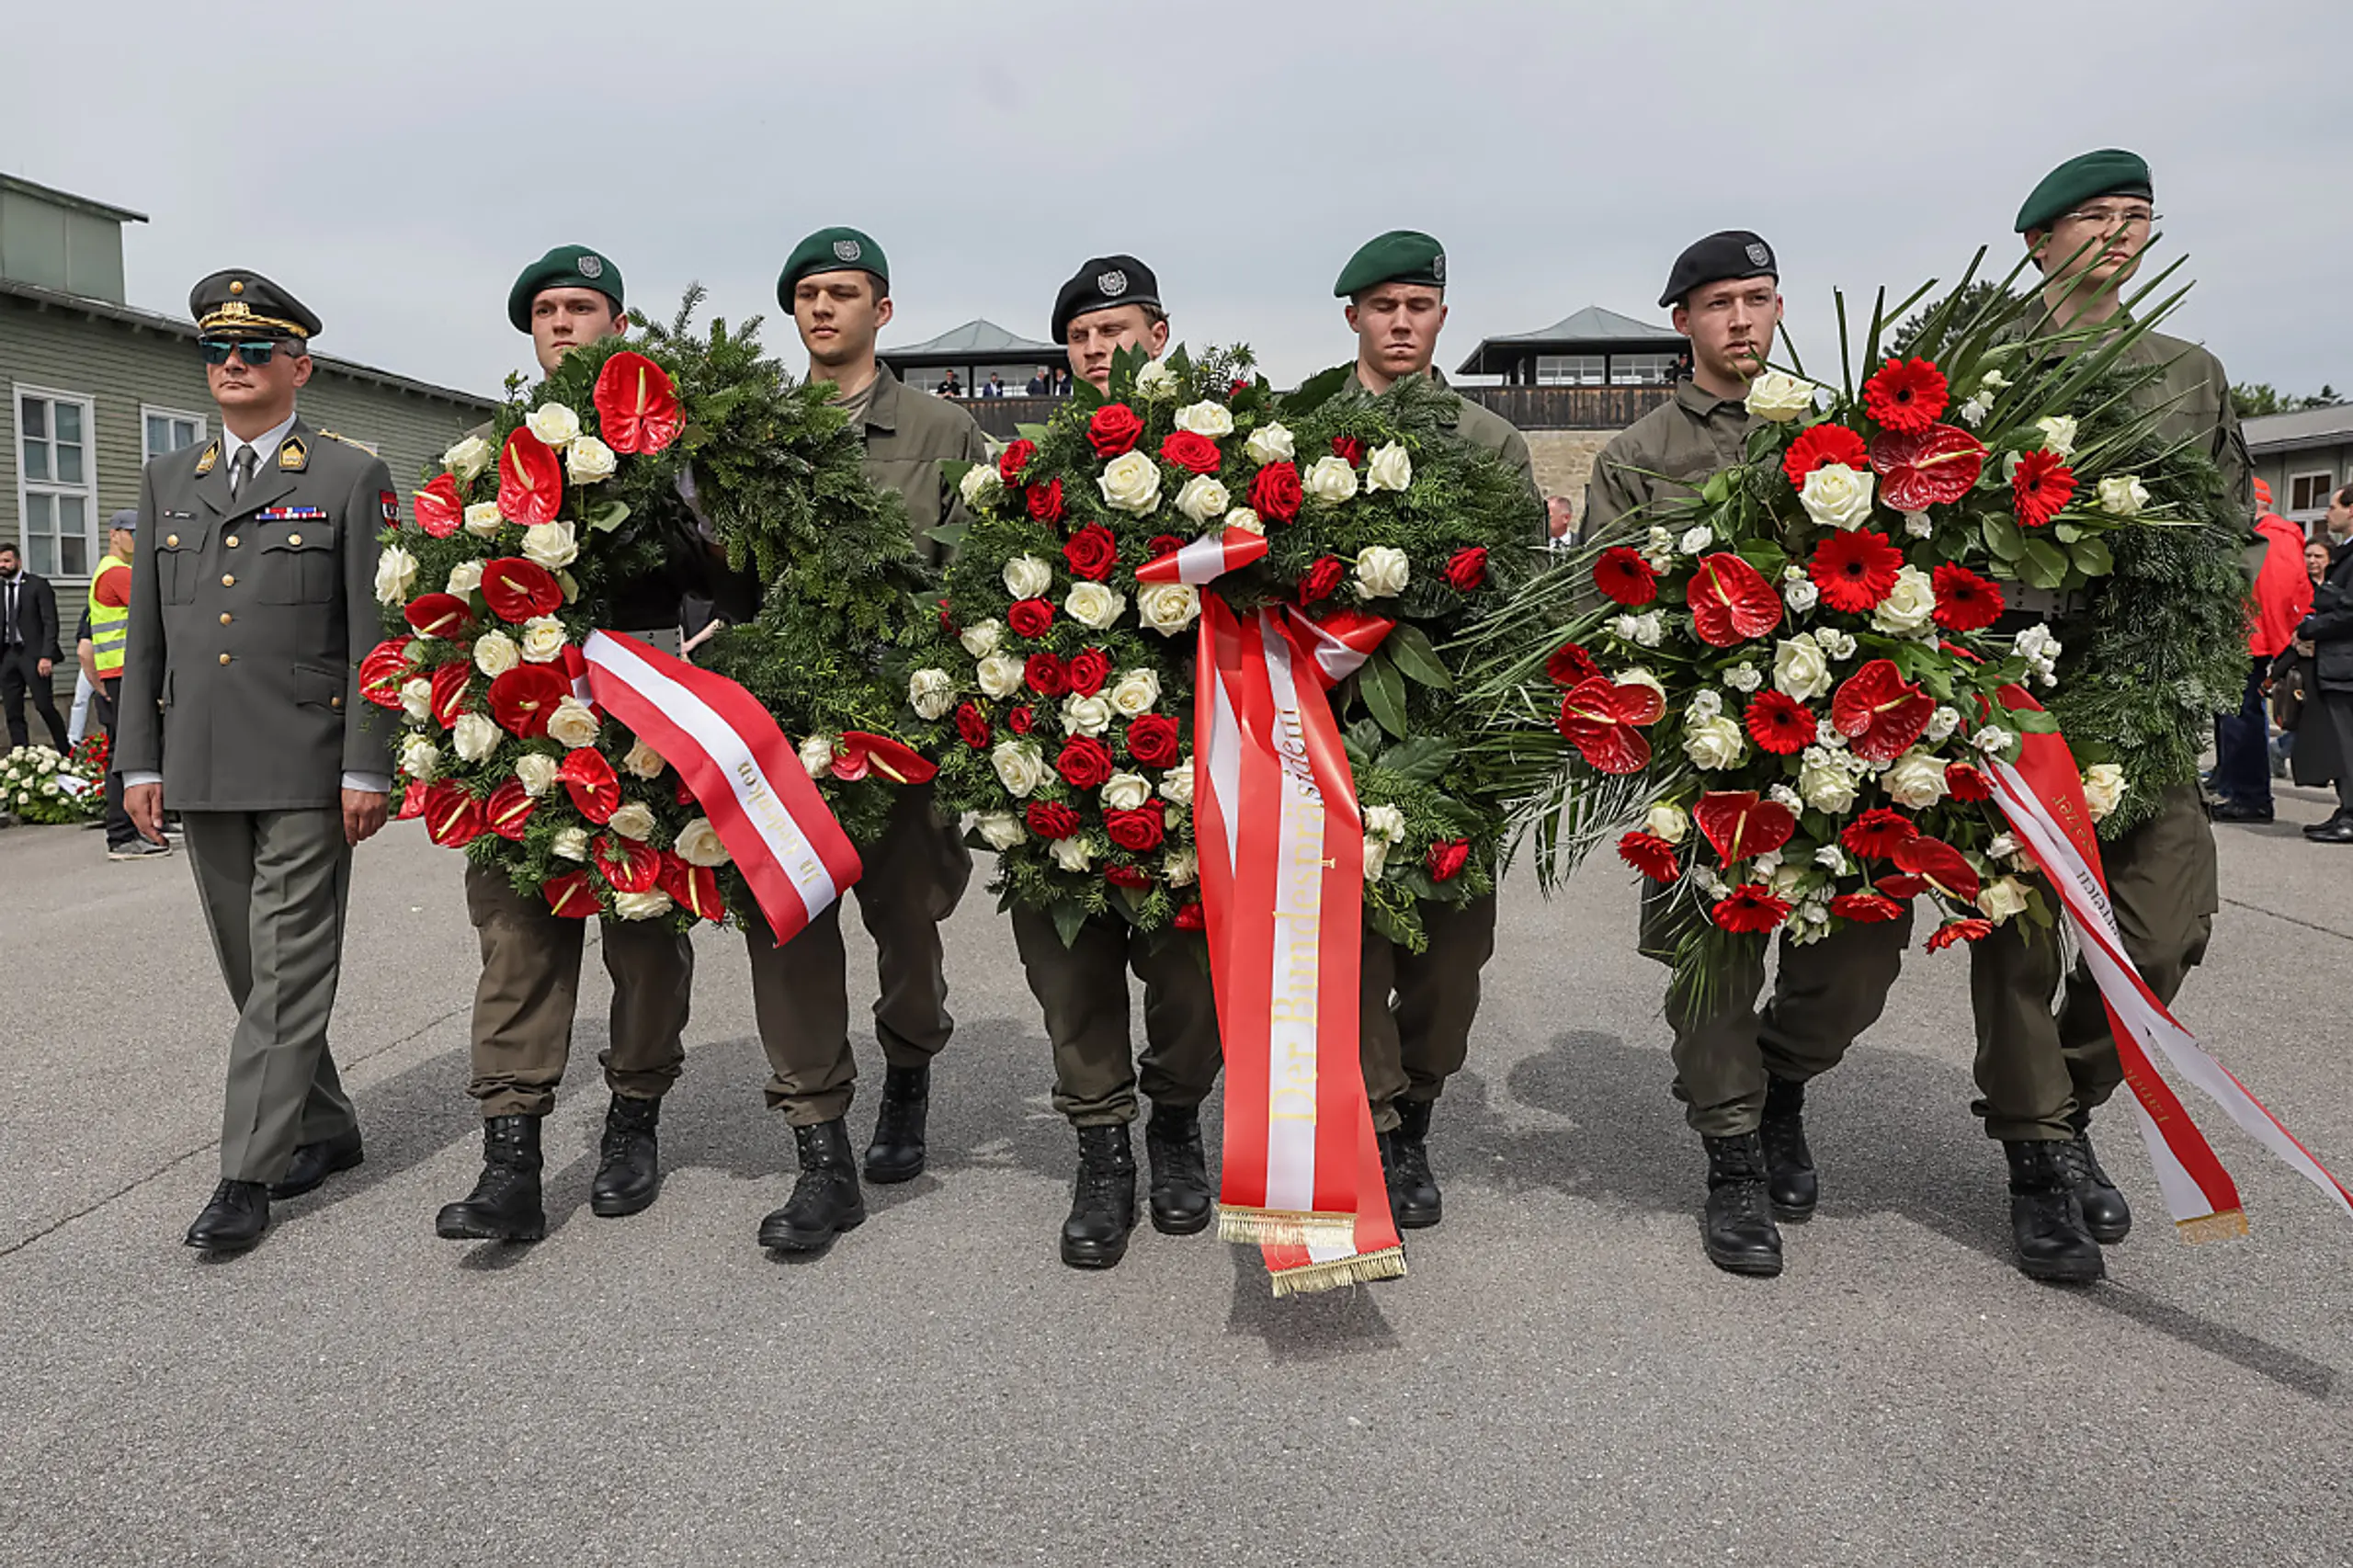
(504, 1204)
(629, 1165)
(1181, 1204)
(1789, 1164)
(897, 1153)
(1414, 1199)
(234, 1220)
(825, 1201)
(1103, 1206)
(2046, 1218)
(2106, 1214)
(1737, 1225)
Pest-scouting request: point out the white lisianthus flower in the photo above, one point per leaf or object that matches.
(1245, 520)
(586, 460)
(651, 904)
(1706, 705)
(2122, 495)
(1779, 397)
(2058, 435)
(535, 771)
(1021, 767)
(1092, 604)
(1666, 821)
(573, 723)
(2002, 847)
(1000, 830)
(417, 699)
(1157, 381)
(420, 758)
(553, 424)
(1799, 670)
(468, 458)
(1973, 411)
(1130, 483)
(1071, 854)
(1270, 444)
(1330, 478)
(1695, 539)
(550, 545)
(930, 693)
(395, 575)
(1910, 608)
(543, 639)
(1828, 787)
(1386, 823)
(1916, 780)
(634, 819)
(1382, 571)
(1026, 576)
(2036, 645)
(464, 578)
(1167, 608)
(1179, 867)
(1177, 785)
(1125, 791)
(1837, 497)
(1941, 724)
(474, 737)
(2103, 788)
(817, 755)
(699, 844)
(495, 654)
(1085, 715)
(1202, 498)
(1714, 744)
(1768, 864)
(2002, 900)
(999, 675)
(1390, 467)
(1918, 525)
(1376, 858)
(1786, 796)
(643, 761)
(1992, 740)
(570, 844)
(1744, 677)
(483, 519)
(1206, 418)
(981, 640)
(1135, 692)
(1831, 858)
(981, 484)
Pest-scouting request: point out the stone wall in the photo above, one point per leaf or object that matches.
(1564, 460)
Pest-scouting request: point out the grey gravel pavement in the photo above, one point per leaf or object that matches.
(1562, 1377)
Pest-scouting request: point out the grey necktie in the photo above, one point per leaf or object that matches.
(241, 468)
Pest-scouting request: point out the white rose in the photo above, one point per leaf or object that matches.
(1828, 787)
(543, 639)
(395, 575)
(1019, 767)
(536, 772)
(1202, 498)
(1744, 677)
(1085, 715)
(1713, 743)
(1071, 854)
(1386, 823)
(1181, 867)
(1167, 608)
(1837, 496)
(483, 519)
(1695, 541)
(634, 820)
(1130, 483)
(981, 640)
(1092, 604)
(1245, 520)
(573, 724)
(999, 675)
(2122, 495)
(1918, 525)
(643, 761)
(2002, 900)
(647, 905)
(981, 484)
(1125, 791)
(1779, 397)
(1917, 781)
(420, 758)
(1177, 785)
(1666, 822)
(2058, 435)
(817, 755)
(1270, 444)
(553, 424)
(1331, 479)
(417, 699)
(1389, 468)
(495, 654)
(1135, 692)
(1910, 608)
(1157, 381)
(1799, 670)
(930, 693)
(474, 737)
(1382, 571)
(2103, 788)
(1026, 576)
(464, 578)
(468, 458)
(1205, 418)
(550, 545)
(587, 460)
(571, 843)
(1000, 830)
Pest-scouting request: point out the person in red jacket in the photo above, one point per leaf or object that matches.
(2282, 597)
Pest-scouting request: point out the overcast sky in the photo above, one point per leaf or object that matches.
(397, 172)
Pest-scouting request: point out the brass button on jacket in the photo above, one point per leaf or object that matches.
(225, 658)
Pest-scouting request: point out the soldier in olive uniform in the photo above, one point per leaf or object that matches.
(529, 987)
(1741, 1073)
(2041, 1076)
(1417, 1009)
(1111, 303)
(837, 283)
(251, 604)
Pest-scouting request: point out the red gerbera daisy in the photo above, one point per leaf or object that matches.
(1966, 783)
(2040, 487)
(1951, 931)
(1751, 907)
(1625, 576)
(1820, 447)
(1855, 570)
(1866, 908)
(1906, 394)
(1651, 855)
(1965, 602)
(1569, 666)
(1878, 833)
(1779, 723)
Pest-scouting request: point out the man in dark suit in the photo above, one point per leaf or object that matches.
(28, 649)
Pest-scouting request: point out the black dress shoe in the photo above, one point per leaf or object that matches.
(898, 1151)
(1181, 1202)
(314, 1163)
(825, 1201)
(2228, 810)
(1103, 1198)
(629, 1163)
(504, 1204)
(2106, 1214)
(2335, 830)
(1414, 1202)
(2046, 1217)
(234, 1220)
(1790, 1183)
(1736, 1225)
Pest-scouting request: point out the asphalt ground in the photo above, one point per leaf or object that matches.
(1564, 1378)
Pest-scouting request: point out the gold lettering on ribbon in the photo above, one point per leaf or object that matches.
(775, 824)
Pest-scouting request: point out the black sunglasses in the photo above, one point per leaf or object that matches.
(254, 351)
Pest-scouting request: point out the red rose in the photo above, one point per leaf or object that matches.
(1084, 762)
(1966, 783)
(971, 726)
(1348, 448)
(1192, 452)
(1134, 831)
(1751, 907)
(1030, 618)
(1625, 576)
(1855, 570)
(1051, 819)
(1013, 459)
(1819, 447)
(1159, 545)
(1087, 670)
(1045, 675)
(1045, 502)
(508, 808)
(1152, 740)
(1275, 492)
(1468, 569)
(2041, 486)
(1114, 429)
(1323, 580)
(1126, 876)
(1446, 857)
(1906, 394)
(1651, 855)
(1965, 602)
(1192, 917)
(1092, 553)
(1021, 719)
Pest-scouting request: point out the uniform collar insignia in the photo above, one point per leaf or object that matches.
(212, 456)
(294, 457)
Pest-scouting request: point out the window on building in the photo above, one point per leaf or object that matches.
(2309, 492)
(1642, 370)
(55, 486)
(168, 430)
(1570, 370)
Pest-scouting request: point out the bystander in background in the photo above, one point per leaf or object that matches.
(2325, 734)
(2281, 599)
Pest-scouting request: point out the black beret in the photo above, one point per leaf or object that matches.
(246, 304)
(2111, 171)
(1725, 257)
(1104, 283)
(566, 267)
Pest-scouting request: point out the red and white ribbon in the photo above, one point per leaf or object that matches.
(1205, 560)
(743, 773)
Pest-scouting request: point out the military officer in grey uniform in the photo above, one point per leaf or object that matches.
(1741, 1074)
(837, 283)
(1416, 1008)
(251, 604)
(529, 987)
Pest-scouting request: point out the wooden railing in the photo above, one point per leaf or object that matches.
(1529, 408)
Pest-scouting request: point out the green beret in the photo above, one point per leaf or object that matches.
(566, 267)
(1401, 256)
(2111, 171)
(832, 250)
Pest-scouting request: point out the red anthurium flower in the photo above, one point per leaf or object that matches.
(1741, 823)
(1946, 869)
(1466, 569)
(1349, 449)
(2040, 486)
(1878, 711)
(1906, 394)
(1446, 859)
(1570, 665)
(1902, 886)
(637, 408)
(1135, 830)
(1045, 502)
(1866, 908)
(1951, 931)
(627, 865)
(1966, 783)
(1091, 552)
(1855, 570)
(971, 726)
(1878, 833)
(1819, 447)
(1323, 580)
(1625, 576)
(1965, 602)
(450, 684)
(452, 817)
(1651, 855)
(899, 763)
(1601, 720)
(570, 896)
(1083, 763)
(412, 803)
(1750, 907)
(1087, 670)
(1192, 917)
(508, 808)
(1275, 492)
(1919, 469)
(1051, 819)
(1779, 723)
(522, 699)
(692, 888)
(1114, 429)
(439, 615)
(1731, 601)
(440, 508)
(1013, 459)
(1152, 740)
(1127, 877)
(1045, 675)
(1030, 618)
(516, 589)
(530, 480)
(1193, 452)
(589, 779)
(385, 670)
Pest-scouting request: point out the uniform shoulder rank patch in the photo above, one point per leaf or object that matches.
(389, 502)
(292, 455)
(211, 459)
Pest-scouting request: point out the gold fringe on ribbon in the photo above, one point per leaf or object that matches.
(1284, 1227)
(2226, 1224)
(1389, 1263)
